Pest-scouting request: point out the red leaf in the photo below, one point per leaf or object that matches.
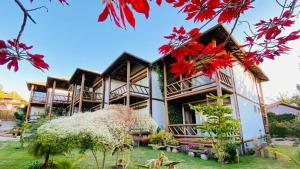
(102, 17)
(129, 16)
(2, 44)
(158, 2)
(141, 6)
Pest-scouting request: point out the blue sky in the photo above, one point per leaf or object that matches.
(71, 37)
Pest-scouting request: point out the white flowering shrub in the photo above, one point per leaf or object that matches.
(103, 130)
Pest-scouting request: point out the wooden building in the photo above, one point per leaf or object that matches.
(37, 100)
(151, 89)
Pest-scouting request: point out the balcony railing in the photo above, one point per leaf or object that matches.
(90, 96)
(38, 99)
(189, 84)
(196, 83)
(59, 98)
(185, 130)
(225, 79)
(134, 89)
(189, 131)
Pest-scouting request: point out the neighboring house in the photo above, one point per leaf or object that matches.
(9, 103)
(151, 89)
(282, 108)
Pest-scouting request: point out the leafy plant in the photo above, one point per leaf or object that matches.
(221, 126)
(67, 164)
(163, 138)
(232, 153)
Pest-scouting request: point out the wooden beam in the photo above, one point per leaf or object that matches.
(81, 92)
(150, 89)
(165, 96)
(103, 92)
(46, 99)
(219, 89)
(128, 84)
(73, 98)
(29, 103)
(109, 89)
(52, 98)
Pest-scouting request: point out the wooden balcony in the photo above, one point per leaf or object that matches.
(60, 98)
(38, 99)
(196, 84)
(89, 96)
(135, 90)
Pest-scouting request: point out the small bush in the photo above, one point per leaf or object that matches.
(232, 153)
(163, 138)
(39, 165)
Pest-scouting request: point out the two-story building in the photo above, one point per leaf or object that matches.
(152, 90)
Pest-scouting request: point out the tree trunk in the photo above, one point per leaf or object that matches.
(45, 166)
(96, 159)
(103, 159)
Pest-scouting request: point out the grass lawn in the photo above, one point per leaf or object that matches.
(11, 157)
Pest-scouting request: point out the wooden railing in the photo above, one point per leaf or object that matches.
(185, 130)
(38, 99)
(190, 131)
(90, 96)
(188, 84)
(59, 98)
(95, 108)
(225, 79)
(134, 88)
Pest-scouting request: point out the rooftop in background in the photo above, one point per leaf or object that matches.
(283, 108)
(12, 95)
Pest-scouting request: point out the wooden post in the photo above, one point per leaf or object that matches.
(103, 92)
(70, 96)
(219, 89)
(73, 98)
(165, 96)
(47, 100)
(109, 88)
(81, 92)
(29, 103)
(128, 84)
(263, 109)
(150, 89)
(52, 98)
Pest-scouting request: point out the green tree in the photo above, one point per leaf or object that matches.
(221, 126)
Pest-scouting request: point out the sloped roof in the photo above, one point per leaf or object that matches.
(220, 33)
(39, 86)
(273, 105)
(12, 95)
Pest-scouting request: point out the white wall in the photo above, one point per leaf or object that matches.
(36, 111)
(158, 109)
(251, 119)
(158, 113)
(245, 83)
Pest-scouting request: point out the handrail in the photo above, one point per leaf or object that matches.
(61, 98)
(225, 79)
(38, 99)
(187, 84)
(89, 95)
(134, 88)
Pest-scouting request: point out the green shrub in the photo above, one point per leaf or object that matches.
(232, 153)
(163, 138)
(39, 165)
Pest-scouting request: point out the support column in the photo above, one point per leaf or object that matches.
(81, 92)
(150, 89)
(29, 103)
(73, 98)
(128, 84)
(109, 88)
(52, 98)
(165, 96)
(103, 92)
(219, 89)
(46, 100)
